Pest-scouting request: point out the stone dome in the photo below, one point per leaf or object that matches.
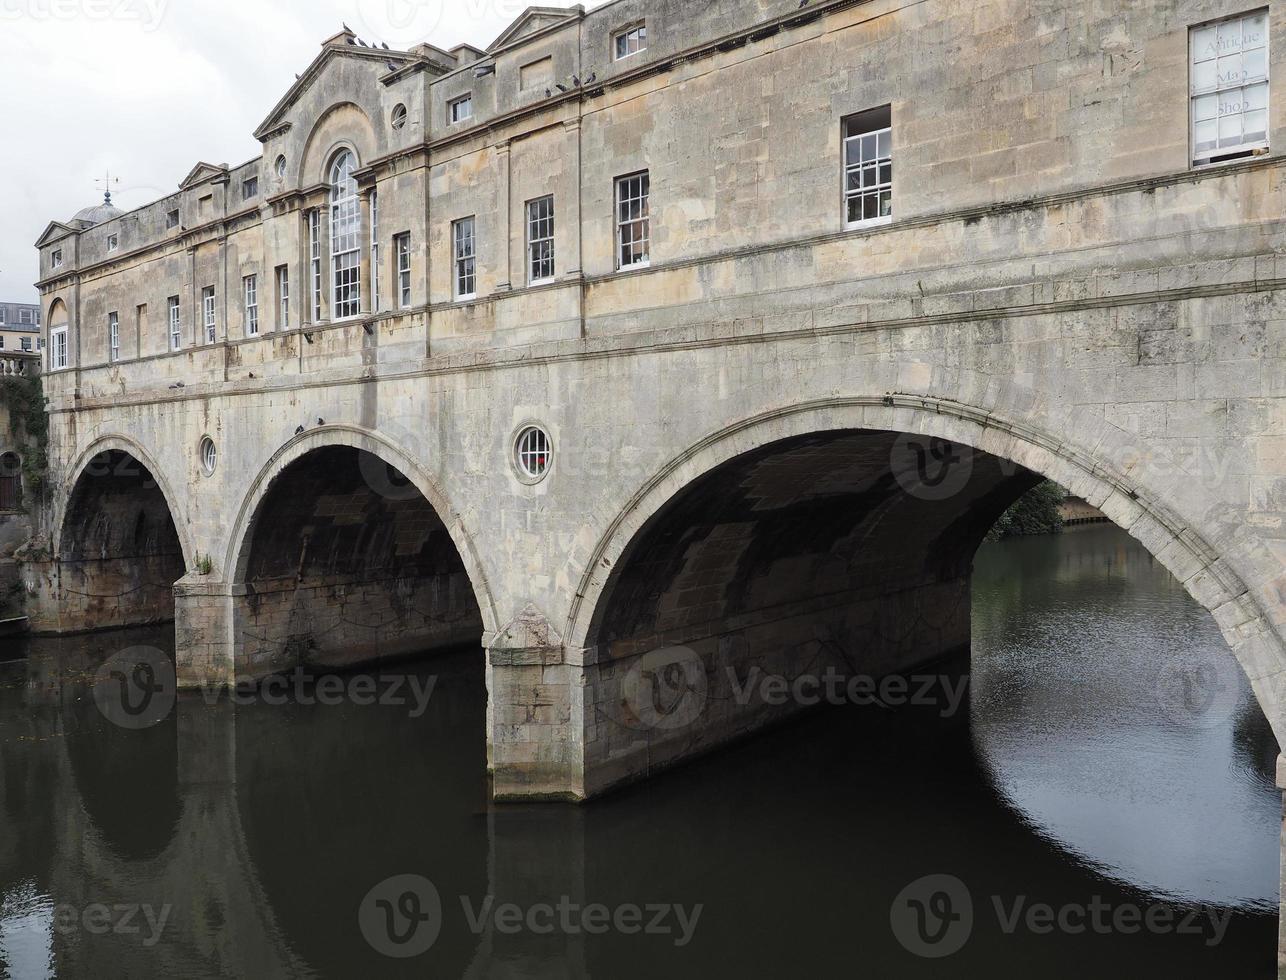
(98, 213)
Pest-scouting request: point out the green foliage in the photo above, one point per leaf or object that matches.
(24, 397)
(1035, 512)
(204, 564)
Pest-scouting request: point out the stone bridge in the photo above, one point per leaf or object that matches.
(776, 440)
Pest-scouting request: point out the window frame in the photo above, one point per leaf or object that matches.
(171, 219)
(345, 238)
(113, 241)
(1219, 155)
(453, 116)
(55, 335)
(113, 337)
(645, 221)
(283, 297)
(534, 240)
(375, 251)
(402, 253)
(250, 188)
(638, 30)
(250, 292)
(464, 266)
(174, 322)
(56, 258)
(853, 137)
(315, 264)
(209, 314)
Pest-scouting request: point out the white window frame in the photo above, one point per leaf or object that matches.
(375, 251)
(633, 225)
(456, 109)
(58, 349)
(464, 251)
(113, 337)
(314, 258)
(57, 258)
(283, 297)
(867, 170)
(541, 266)
(345, 246)
(208, 314)
(249, 188)
(1226, 87)
(2, 315)
(25, 344)
(250, 289)
(26, 316)
(636, 33)
(174, 319)
(402, 244)
(113, 241)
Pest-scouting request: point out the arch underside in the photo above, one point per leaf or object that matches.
(346, 562)
(119, 551)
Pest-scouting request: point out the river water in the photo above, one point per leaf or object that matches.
(1108, 764)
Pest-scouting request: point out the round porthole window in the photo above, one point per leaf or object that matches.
(399, 116)
(280, 166)
(533, 454)
(209, 456)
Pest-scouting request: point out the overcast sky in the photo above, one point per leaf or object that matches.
(146, 88)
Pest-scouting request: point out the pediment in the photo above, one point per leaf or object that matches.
(535, 19)
(203, 172)
(54, 231)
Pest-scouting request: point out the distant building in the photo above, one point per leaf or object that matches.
(20, 327)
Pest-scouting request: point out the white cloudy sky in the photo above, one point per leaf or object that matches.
(145, 88)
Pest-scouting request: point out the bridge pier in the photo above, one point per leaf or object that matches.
(204, 650)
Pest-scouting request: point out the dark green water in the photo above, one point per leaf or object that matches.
(1108, 758)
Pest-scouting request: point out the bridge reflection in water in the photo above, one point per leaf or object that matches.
(264, 825)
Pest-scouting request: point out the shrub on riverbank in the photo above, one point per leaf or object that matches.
(1035, 512)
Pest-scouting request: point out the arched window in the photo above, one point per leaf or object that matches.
(345, 251)
(10, 481)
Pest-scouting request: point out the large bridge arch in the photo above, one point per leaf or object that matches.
(119, 541)
(381, 472)
(1128, 481)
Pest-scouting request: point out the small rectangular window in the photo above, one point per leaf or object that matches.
(631, 41)
(249, 188)
(466, 268)
(251, 286)
(633, 221)
(58, 348)
(375, 251)
(113, 337)
(57, 258)
(458, 110)
(540, 240)
(402, 244)
(26, 345)
(2, 313)
(868, 168)
(176, 324)
(283, 297)
(207, 313)
(1, 341)
(26, 316)
(113, 242)
(1229, 88)
(315, 263)
(171, 219)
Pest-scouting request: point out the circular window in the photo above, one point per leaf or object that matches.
(399, 116)
(209, 456)
(533, 453)
(280, 166)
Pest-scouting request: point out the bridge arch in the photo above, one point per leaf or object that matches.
(118, 540)
(335, 472)
(1115, 477)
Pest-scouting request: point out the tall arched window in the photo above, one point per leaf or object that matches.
(345, 251)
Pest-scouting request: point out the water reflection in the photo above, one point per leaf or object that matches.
(263, 826)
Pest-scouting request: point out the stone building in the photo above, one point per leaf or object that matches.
(661, 327)
(20, 327)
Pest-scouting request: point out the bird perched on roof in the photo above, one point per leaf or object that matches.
(384, 45)
(561, 87)
(391, 66)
